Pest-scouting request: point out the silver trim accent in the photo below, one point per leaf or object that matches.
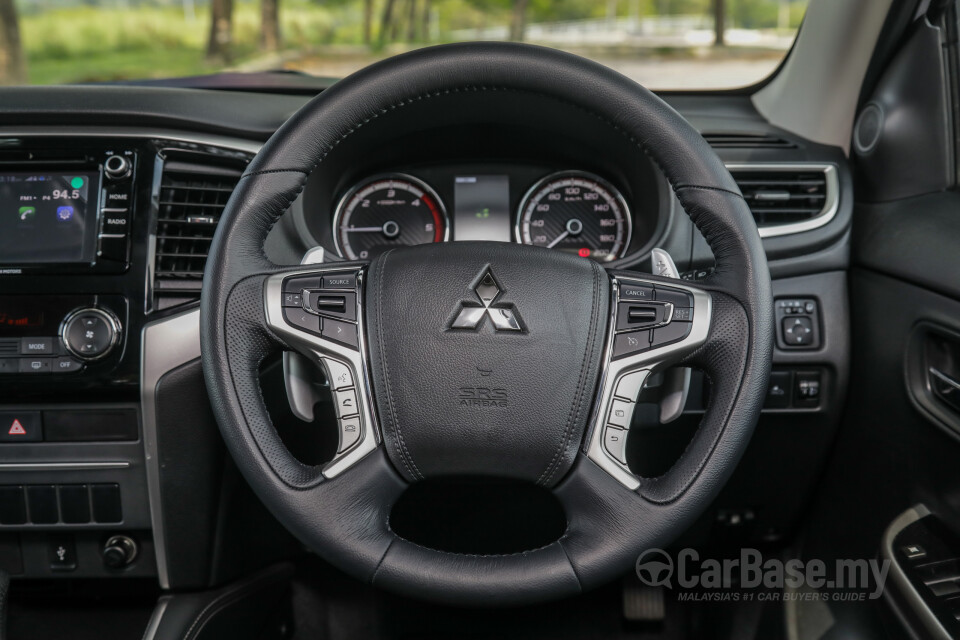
(662, 264)
(831, 202)
(165, 345)
(914, 600)
(153, 625)
(237, 144)
(317, 348)
(62, 466)
(648, 361)
(627, 213)
(107, 316)
(417, 182)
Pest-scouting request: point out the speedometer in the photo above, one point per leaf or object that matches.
(386, 211)
(576, 212)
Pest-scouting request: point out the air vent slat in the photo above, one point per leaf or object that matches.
(781, 197)
(192, 198)
(747, 141)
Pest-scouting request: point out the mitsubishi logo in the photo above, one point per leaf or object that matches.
(504, 317)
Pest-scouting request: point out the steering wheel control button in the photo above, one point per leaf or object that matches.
(672, 332)
(628, 388)
(340, 281)
(674, 296)
(298, 284)
(632, 315)
(628, 344)
(635, 292)
(621, 413)
(682, 314)
(342, 332)
(615, 442)
(302, 320)
(346, 402)
(90, 334)
(292, 300)
(338, 305)
(338, 374)
(20, 426)
(349, 433)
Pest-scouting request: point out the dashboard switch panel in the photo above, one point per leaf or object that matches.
(798, 323)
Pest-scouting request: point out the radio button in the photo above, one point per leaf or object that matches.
(115, 221)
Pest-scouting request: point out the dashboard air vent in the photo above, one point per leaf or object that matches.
(788, 199)
(194, 188)
(747, 141)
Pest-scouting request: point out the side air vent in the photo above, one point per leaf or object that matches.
(788, 198)
(747, 141)
(194, 188)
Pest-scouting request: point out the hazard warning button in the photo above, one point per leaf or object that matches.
(20, 426)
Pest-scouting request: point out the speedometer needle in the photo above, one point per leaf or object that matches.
(364, 229)
(557, 240)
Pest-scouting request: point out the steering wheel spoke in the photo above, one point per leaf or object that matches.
(318, 312)
(653, 325)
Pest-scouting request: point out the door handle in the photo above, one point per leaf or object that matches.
(951, 385)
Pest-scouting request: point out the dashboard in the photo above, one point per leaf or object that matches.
(110, 202)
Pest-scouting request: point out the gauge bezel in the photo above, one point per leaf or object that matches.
(358, 186)
(576, 173)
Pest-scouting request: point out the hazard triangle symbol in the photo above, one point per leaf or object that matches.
(16, 429)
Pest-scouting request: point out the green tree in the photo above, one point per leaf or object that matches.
(221, 31)
(518, 20)
(270, 25)
(13, 68)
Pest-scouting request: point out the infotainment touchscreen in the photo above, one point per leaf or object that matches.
(48, 218)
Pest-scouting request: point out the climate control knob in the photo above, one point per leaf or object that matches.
(90, 333)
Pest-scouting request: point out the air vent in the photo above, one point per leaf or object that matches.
(194, 189)
(747, 141)
(788, 198)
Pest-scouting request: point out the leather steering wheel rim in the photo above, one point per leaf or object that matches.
(345, 519)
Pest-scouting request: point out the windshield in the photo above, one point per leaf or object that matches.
(663, 44)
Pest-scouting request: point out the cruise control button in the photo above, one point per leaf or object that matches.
(302, 320)
(635, 292)
(35, 365)
(629, 386)
(36, 346)
(675, 296)
(671, 333)
(627, 344)
(340, 281)
(342, 332)
(621, 413)
(338, 374)
(349, 433)
(682, 314)
(615, 441)
(346, 402)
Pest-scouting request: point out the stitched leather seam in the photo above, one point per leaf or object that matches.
(573, 569)
(401, 444)
(557, 458)
(483, 555)
(376, 570)
(312, 482)
(681, 187)
(724, 423)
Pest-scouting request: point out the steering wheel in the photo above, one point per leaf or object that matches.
(485, 359)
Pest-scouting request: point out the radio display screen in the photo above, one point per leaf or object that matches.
(48, 217)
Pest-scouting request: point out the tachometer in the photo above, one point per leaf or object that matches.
(386, 211)
(576, 212)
